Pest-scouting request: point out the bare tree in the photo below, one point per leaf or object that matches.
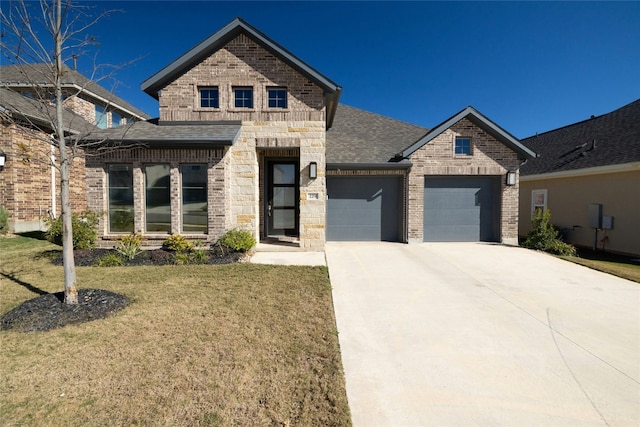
(50, 33)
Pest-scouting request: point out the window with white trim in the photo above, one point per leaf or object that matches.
(462, 146)
(538, 201)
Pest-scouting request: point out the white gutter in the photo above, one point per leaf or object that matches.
(598, 170)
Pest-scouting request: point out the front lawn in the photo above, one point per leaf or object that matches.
(238, 344)
(618, 265)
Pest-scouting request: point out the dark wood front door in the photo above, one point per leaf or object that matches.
(283, 199)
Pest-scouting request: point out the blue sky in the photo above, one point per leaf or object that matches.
(528, 66)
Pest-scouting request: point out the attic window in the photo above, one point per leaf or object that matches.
(243, 97)
(462, 147)
(277, 97)
(209, 97)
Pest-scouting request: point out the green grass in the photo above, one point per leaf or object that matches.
(618, 265)
(203, 345)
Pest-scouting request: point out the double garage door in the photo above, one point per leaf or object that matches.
(370, 208)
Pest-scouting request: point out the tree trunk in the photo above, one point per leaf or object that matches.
(70, 290)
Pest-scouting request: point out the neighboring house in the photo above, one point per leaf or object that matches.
(593, 162)
(249, 136)
(28, 183)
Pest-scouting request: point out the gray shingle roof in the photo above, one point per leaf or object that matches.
(40, 74)
(40, 115)
(176, 135)
(364, 138)
(609, 139)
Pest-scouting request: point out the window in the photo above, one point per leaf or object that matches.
(277, 97)
(158, 198)
(538, 200)
(101, 117)
(194, 198)
(120, 198)
(243, 97)
(209, 97)
(116, 119)
(463, 147)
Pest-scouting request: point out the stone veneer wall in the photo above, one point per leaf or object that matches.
(25, 181)
(302, 125)
(489, 157)
(97, 182)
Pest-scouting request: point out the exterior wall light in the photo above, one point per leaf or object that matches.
(313, 170)
(511, 178)
(3, 159)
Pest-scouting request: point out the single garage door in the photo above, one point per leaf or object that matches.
(461, 209)
(364, 208)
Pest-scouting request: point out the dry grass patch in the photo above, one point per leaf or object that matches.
(239, 344)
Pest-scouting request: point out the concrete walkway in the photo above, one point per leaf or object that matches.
(286, 255)
(460, 334)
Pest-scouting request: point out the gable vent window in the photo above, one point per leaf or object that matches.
(462, 147)
(277, 97)
(243, 97)
(209, 97)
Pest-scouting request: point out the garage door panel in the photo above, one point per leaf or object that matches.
(364, 208)
(460, 209)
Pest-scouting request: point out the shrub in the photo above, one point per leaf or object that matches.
(178, 243)
(110, 259)
(238, 240)
(4, 220)
(545, 237)
(84, 229)
(129, 246)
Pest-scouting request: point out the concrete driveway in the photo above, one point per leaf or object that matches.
(463, 334)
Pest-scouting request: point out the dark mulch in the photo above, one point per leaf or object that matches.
(49, 311)
(89, 257)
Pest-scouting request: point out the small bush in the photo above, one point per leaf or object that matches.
(545, 237)
(238, 240)
(178, 243)
(4, 220)
(110, 259)
(84, 229)
(558, 247)
(129, 246)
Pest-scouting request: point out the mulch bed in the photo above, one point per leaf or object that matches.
(49, 311)
(89, 257)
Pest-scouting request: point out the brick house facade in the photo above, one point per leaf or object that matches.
(279, 156)
(29, 181)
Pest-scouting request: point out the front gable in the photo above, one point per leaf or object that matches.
(241, 63)
(258, 61)
(476, 120)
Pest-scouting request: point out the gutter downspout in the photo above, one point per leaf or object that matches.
(52, 212)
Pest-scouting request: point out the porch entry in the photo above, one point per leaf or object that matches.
(282, 209)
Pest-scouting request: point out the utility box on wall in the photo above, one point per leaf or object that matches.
(595, 215)
(607, 222)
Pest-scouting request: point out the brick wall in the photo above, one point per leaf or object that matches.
(300, 126)
(241, 62)
(489, 157)
(26, 180)
(97, 182)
